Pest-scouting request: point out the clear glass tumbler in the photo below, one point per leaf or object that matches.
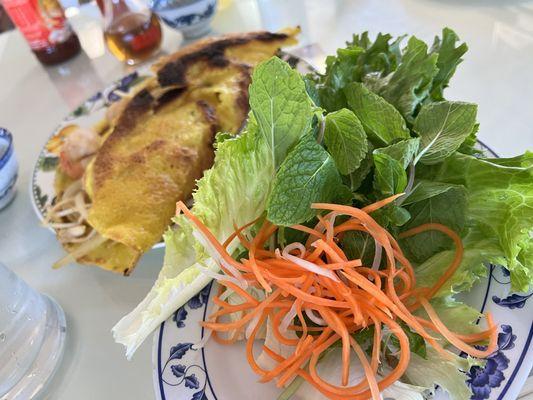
(32, 337)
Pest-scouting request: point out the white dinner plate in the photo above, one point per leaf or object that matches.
(220, 372)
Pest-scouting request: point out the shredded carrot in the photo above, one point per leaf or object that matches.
(341, 296)
(381, 203)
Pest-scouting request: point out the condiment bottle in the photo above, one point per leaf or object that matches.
(43, 24)
(131, 30)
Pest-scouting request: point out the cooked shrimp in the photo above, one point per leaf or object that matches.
(76, 151)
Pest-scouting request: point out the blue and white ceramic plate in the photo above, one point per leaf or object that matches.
(217, 372)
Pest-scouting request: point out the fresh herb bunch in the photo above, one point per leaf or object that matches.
(375, 124)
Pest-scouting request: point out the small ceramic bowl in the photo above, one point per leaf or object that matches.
(8, 168)
(190, 17)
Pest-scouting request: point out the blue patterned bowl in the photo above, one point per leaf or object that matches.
(191, 17)
(8, 168)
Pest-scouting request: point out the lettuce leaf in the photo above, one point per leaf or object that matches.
(457, 316)
(234, 191)
(435, 370)
(472, 267)
(499, 209)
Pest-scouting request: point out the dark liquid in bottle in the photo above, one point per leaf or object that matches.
(59, 52)
(134, 37)
(43, 24)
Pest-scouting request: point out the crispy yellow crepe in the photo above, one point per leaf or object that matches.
(112, 256)
(162, 141)
(136, 181)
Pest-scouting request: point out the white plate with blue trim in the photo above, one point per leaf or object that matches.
(217, 372)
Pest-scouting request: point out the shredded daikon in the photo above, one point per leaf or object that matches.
(312, 267)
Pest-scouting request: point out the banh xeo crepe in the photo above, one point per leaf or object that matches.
(157, 143)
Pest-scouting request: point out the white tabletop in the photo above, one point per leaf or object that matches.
(496, 74)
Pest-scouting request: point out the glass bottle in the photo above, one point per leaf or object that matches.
(132, 32)
(43, 24)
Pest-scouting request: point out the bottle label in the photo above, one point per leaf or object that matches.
(146, 38)
(42, 22)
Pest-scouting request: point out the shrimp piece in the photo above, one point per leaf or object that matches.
(76, 151)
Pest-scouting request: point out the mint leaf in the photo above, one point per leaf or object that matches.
(342, 195)
(392, 215)
(381, 121)
(281, 106)
(403, 151)
(345, 139)
(340, 69)
(311, 87)
(389, 175)
(307, 175)
(356, 178)
(447, 61)
(447, 208)
(424, 189)
(410, 84)
(442, 127)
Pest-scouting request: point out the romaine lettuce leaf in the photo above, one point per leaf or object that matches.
(472, 268)
(234, 191)
(457, 316)
(499, 208)
(436, 370)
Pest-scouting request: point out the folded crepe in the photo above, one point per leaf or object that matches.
(161, 141)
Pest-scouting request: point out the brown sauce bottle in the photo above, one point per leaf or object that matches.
(43, 24)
